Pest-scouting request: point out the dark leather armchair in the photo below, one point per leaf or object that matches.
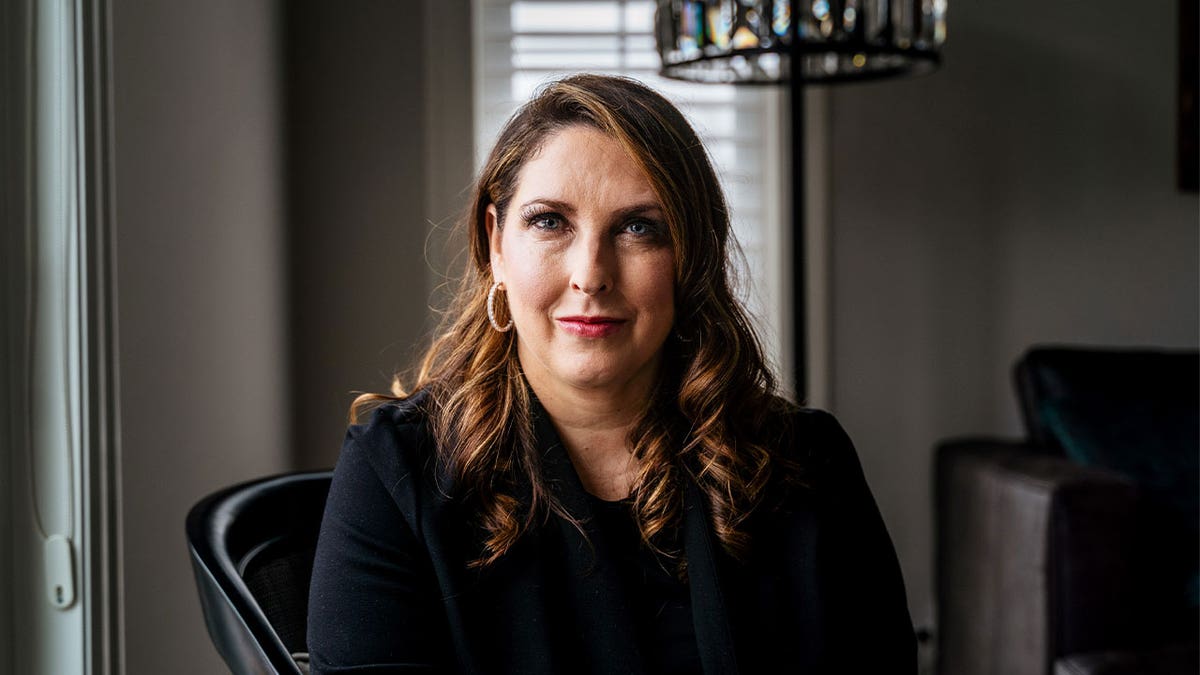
(252, 549)
(1075, 551)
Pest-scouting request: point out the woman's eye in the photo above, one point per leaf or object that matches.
(641, 228)
(544, 221)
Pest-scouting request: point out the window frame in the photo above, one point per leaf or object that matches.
(56, 66)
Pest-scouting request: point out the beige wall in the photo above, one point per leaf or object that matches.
(356, 194)
(1025, 193)
(278, 166)
(379, 155)
(200, 292)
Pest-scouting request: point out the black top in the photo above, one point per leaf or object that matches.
(393, 592)
(658, 598)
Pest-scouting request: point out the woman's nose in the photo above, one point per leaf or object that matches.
(591, 268)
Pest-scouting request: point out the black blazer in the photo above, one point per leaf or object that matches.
(391, 591)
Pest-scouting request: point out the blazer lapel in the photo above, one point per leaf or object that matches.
(710, 612)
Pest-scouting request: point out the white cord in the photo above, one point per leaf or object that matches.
(31, 350)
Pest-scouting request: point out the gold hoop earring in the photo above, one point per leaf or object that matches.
(491, 310)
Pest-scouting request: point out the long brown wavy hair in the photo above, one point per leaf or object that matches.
(714, 416)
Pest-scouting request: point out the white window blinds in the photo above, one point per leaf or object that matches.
(521, 44)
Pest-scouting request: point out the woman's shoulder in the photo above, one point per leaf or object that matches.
(405, 414)
(803, 430)
(817, 426)
(815, 440)
(396, 439)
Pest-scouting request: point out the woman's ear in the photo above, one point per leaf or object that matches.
(495, 232)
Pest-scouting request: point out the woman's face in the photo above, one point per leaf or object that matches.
(587, 266)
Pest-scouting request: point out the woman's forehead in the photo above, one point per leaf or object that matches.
(582, 164)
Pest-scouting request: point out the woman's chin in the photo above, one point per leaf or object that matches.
(586, 370)
(599, 375)
(592, 380)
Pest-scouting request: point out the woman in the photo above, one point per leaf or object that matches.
(594, 473)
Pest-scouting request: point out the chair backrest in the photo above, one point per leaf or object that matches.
(252, 551)
(1137, 413)
(1049, 373)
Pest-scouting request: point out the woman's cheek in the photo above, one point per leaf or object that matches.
(533, 284)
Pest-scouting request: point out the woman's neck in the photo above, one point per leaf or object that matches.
(594, 426)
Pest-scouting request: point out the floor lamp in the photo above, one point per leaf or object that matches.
(758, 42)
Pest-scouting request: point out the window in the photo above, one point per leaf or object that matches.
(59, 586)
(521, 44)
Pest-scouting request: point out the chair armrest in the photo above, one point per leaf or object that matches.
(1032, 557)
(1174, 659)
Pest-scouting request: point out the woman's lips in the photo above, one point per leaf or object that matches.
(591, 326)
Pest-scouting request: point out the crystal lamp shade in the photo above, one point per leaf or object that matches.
(764, 41)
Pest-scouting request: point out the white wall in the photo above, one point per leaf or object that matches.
(1025, 193)
(200, 292)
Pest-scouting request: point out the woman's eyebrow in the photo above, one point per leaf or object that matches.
(555, 204)
(566, 208)
(640, 209)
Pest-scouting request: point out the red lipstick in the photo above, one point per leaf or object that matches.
(590, 326)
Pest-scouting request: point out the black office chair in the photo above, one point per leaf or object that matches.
(252, 551)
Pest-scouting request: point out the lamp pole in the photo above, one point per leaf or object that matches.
(797, 267)
(743, 42)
